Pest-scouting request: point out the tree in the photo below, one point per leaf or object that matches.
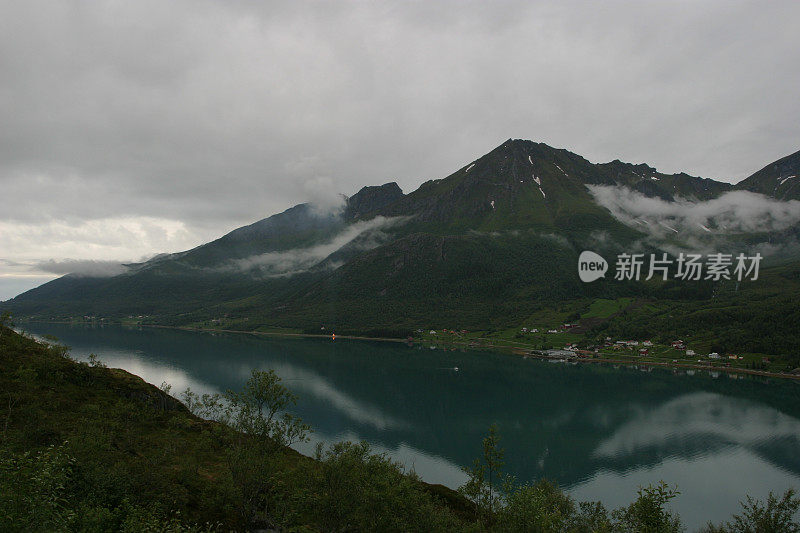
(486, 476)
(774, 516)
(356, 490)
(647, 513)
(262, 430)
(538, 507)
(5, 321)
(259, 410)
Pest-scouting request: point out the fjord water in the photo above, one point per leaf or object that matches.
(599, 431)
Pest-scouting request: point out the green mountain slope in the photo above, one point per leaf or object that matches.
(519, 185)
(490, 244)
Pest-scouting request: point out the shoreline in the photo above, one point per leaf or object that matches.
(729, 370)
(275, 333)
(488, 347)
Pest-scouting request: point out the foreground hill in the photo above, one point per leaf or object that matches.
(483, 248)
(88, 448)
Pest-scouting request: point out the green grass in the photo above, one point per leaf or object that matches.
(603, 308)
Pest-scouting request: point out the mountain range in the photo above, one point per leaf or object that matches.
(486, 247)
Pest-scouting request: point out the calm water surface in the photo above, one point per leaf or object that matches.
(599, 431)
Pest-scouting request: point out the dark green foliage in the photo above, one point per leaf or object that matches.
(486, 477)
(88, 448)
(542, 507)
(32, 490)
(361, 491)
(37, 494)
(100, 445)
(647, 514)
(254, 450)
(755, 317)
(259, 411)
(538, 507)
(776, 515)
(5, 320)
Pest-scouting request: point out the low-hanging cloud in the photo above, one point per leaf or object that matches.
(82, 268)
(323, 197)
(361, 235)
(732, 212)
(706, 226)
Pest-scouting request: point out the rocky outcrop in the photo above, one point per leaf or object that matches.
(372, 199)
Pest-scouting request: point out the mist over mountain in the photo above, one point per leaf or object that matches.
(493, 241)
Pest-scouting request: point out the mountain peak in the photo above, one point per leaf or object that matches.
(371, 199)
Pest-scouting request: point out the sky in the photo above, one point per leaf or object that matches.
(134, 128)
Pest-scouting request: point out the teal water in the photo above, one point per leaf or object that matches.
(599, 431)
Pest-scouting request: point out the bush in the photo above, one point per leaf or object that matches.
(361, 491)
(538, 507)
(774, 516)
(33, 488)
(647, 514)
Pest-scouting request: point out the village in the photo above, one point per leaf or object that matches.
(565, 343)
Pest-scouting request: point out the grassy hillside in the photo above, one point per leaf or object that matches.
(751, 317)
(88, 448)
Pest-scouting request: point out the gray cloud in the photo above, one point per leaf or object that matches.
(83, 268)
(704, 226)
(216, 114)
(732, 212)
(363, 235)
(323, 196)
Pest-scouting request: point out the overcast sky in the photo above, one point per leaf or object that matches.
(131, 128)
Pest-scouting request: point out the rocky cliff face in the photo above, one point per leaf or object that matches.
(371, 199)
(648, 181)
(780, 179)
